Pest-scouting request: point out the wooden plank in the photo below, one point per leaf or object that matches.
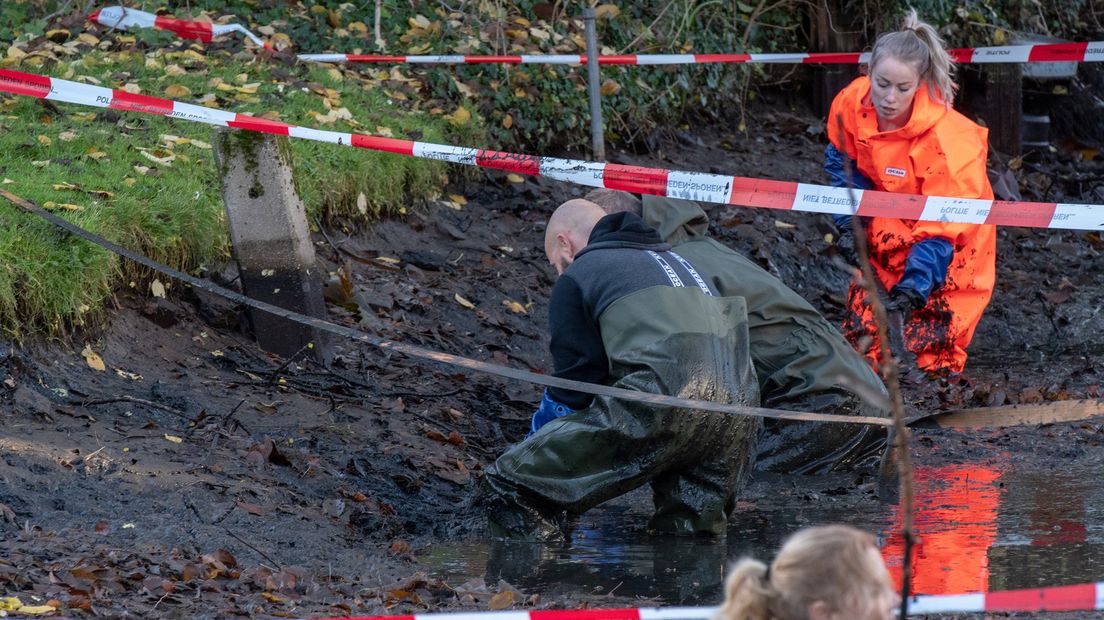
(1014, 415)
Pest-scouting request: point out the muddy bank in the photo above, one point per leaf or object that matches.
(198, 477)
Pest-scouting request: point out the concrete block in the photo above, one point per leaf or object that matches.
(271, 238)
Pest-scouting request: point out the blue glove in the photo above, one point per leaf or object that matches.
(837, 176)
(925, 269)
(549, 410)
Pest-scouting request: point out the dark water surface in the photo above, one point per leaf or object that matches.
(983, 526)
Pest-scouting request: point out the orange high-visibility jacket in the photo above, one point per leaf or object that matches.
(938, 153)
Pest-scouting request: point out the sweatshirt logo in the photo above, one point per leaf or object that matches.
(895, 172)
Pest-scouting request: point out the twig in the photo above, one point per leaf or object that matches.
(891, 373)
(259, 552)
(61, 10)
(271, 380)
(137, 401)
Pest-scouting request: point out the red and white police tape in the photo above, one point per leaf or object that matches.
(1083, 597)
(704, 187)
(126, 18)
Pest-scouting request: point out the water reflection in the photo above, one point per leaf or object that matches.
(982, 527)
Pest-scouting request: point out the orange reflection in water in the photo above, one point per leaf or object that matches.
(956, 519)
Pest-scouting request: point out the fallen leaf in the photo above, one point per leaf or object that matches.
(65, 185)
(266, 407)
(67, 136)
(362, 203)
(606, 11)
(460, 117)
(128, 375)
(507, 121)
(609, 87)
(781, 224)
(458, 199)
(515, 178)
(385, 132)
(273, 598)
(45, 140)
(50, 205)
(132, 88)
(94, 360)
(463, 302)
(177, 91)
(157, 289)
(514, 306)
(174, 438)
(502, 600)
(252, 509)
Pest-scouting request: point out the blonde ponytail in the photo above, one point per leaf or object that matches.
(747, 593)
(917, 43)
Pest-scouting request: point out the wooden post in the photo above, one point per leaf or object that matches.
(594, 89)
(271, 239)
(993, 94)
(834, 30)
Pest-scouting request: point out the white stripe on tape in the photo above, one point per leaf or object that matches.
(864, 58)
(779, 58)
(444, 152)
(572, 170)
(553, 59)
(324, 57)
(1078, 217)
(821, 199)
(665, 59)
(333, 137)
(211, 116)
(1095, 52)
(435, 59)
(1100, 595)
(477, 615)
(960, 210)
(678, 613)
(83, 94)
(699, 186)
(947, 603)
(118, 17)
(1008, 53)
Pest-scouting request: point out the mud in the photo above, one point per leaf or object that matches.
(199, 477)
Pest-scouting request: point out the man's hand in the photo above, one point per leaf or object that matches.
(904, 301)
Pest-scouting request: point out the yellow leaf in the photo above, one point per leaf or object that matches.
(84, 37)
(463, 302)
(250, 89)
(515, 178)
(83, 116)
(174, 438)
(385, 132)
(95, 362)
(177, 91)
(50, 205)
(95, 153)
(35, 609)
(502, 600)
(280, 41)
(610, 87)
(273, 598)
(65, 186)
(781, 224)
(129, 181)
(999, 36)
(519, 93)
(45, 140)
(458, 199)
(513, 306)
(507, 121)
(67, 136)
(199, 144)
(132, 88)
(10, 603)
(606, 11)
(157, 289)
(460, 117)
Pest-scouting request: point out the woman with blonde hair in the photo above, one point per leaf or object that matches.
(897, 125)
(831, 572)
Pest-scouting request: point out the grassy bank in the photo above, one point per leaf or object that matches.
(150, 183)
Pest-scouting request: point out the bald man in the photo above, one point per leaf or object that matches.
(628, 312)
(802, 362)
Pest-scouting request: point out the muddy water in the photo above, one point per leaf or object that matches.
(983, 526)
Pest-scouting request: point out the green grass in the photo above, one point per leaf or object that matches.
(173, 213)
